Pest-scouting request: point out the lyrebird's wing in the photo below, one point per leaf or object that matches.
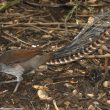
(18, 55)
(89, 33)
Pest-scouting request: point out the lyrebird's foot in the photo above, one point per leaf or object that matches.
(19, 79)
(16, 88)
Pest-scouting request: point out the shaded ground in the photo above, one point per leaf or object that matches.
(70, 87)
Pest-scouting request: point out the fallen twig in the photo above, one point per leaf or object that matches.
(98, 56)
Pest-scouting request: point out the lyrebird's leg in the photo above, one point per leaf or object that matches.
(19, 79)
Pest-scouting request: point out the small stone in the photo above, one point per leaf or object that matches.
(108, 101)
(75, 92)
(90, 95)
(91, 107)
(33, 46)
(106, 84)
